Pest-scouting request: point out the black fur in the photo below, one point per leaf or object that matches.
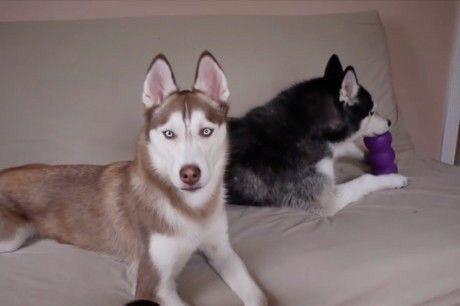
(274, 147)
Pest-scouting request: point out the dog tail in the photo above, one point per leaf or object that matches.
(142, 303)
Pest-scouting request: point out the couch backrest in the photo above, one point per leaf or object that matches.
(70, 90)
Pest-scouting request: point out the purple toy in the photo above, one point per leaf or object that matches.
(381, 156)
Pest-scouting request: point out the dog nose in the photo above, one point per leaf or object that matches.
(190, 174)
(389, 122)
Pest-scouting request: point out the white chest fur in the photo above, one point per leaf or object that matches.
(169, 253)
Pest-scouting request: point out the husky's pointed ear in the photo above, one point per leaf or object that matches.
(210, 78)
(334, 70)
(350, 87)
(159, 82)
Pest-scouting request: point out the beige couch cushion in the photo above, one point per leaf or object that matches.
(392, 248)
(70, 90)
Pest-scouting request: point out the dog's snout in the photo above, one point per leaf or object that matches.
(389, 122)
(190, 174)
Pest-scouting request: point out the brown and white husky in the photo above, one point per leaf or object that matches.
(154, 211)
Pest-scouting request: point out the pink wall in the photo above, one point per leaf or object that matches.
(420, 39)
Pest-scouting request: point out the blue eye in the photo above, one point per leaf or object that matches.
(169, 134)
(206, 132)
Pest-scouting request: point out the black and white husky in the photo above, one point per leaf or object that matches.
(282, 153)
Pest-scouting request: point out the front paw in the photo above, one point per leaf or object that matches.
(396, 181)
(175, 303)
(261, 300)
(142, 303)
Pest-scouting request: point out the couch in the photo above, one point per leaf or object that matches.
(70, 93)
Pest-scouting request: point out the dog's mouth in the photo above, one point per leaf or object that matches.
(191, 189)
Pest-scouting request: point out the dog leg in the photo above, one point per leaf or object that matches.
(354, 190)
(132, 274)
(147, 279)
(169, 255)
(14, 231)
(348, 149)
(231, 268)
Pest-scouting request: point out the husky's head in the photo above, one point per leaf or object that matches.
(354, 101)
(185, 131)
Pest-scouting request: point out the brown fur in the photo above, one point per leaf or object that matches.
(109, 209)
(147, 278)
(184, 101)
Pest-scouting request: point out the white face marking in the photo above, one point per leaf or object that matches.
(190, 147)
(373, 125)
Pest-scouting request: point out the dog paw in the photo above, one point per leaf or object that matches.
(397, 181)
(142, 303)
(257, 300)
(262, 302)
(9, 246)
